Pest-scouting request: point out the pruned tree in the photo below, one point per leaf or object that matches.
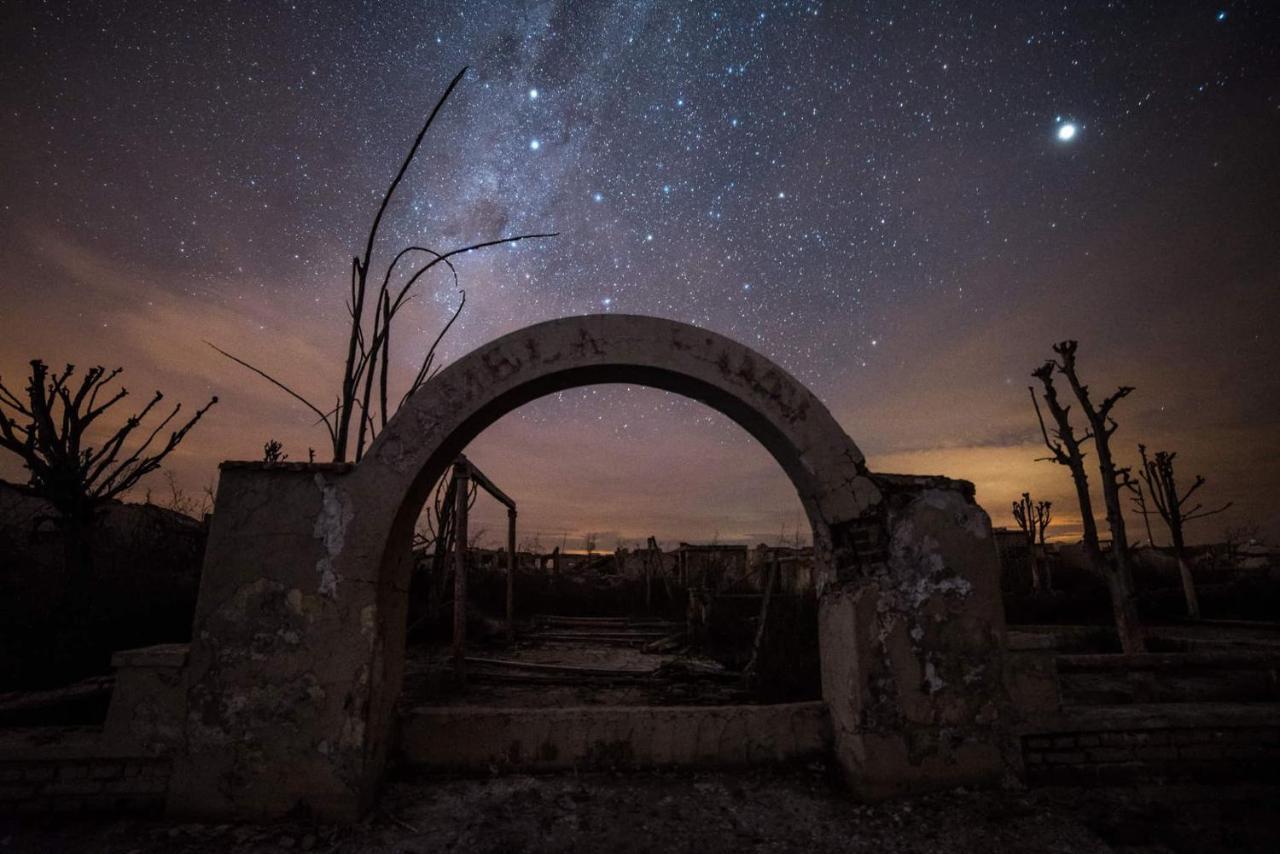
(1102, 425)
(1067, 450)
(1044, 515)
(50, 426)
(363, 404)
(1033, 520)
(1158, 474)
(1024, 514)
(1139, 499)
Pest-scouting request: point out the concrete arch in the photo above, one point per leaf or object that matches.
(825, 466)
(289, 694)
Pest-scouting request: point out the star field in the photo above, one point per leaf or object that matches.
(895, 201)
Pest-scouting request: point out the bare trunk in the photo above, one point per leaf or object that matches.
(462, 494)
(1128, 626)
(1188, 582)
(1189, 589)
(77, 551)
(1123, 607)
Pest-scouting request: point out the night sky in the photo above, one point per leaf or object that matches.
(904, 204)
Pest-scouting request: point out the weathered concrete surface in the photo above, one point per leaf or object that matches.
(912, 647)
(298, 646)
(475, 739)
(148, 703)
(276, 689)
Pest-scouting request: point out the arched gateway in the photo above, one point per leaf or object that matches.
(288, 696)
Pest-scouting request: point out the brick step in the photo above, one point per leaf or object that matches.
(1163, 742)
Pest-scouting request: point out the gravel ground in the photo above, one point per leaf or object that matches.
(758, 811)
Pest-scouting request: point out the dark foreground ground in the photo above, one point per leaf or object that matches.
(779, 811)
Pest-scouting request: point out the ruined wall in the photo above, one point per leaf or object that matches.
(67, 769)
(298, 643)
(468, 739)
(276, 689)
(1190, 742)
(912, 643)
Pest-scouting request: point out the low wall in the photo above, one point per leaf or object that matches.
(1192, 677)
(71, 769)
(480, 739)
(1196, 742)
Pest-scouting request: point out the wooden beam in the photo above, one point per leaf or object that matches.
(486, 484)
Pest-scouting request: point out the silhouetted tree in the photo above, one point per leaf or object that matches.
(434, 539)
(1067, 451)
(363, 395)
(1157, 472)
(1033, 519)
(273, 452)
(49, 427)
(1043, 514)
(1139, 499)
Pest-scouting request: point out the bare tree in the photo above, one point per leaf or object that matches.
(181, 501)
(1066, 449)
(363, 392)
(1139, 499)
(1024, 514)
(1157, 472)
(1033, 520)
(1044, 515)
(49, 427)
(273, 452)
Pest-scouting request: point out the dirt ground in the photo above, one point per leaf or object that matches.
(660, 679)
(794, 810)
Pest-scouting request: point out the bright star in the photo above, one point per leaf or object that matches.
(1222, 16)
(534, 145)
(597, 197)
(1066, 131)
(533, 94)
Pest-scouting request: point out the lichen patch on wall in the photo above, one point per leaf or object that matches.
(335, 515)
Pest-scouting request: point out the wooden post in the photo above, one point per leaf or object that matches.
(651, 556)
(462, 494)
(762, 620)
(511, 574)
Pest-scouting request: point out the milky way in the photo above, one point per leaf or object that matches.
(885, 198)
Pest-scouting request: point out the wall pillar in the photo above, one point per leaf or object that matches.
(912, 642)
(282, 656)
